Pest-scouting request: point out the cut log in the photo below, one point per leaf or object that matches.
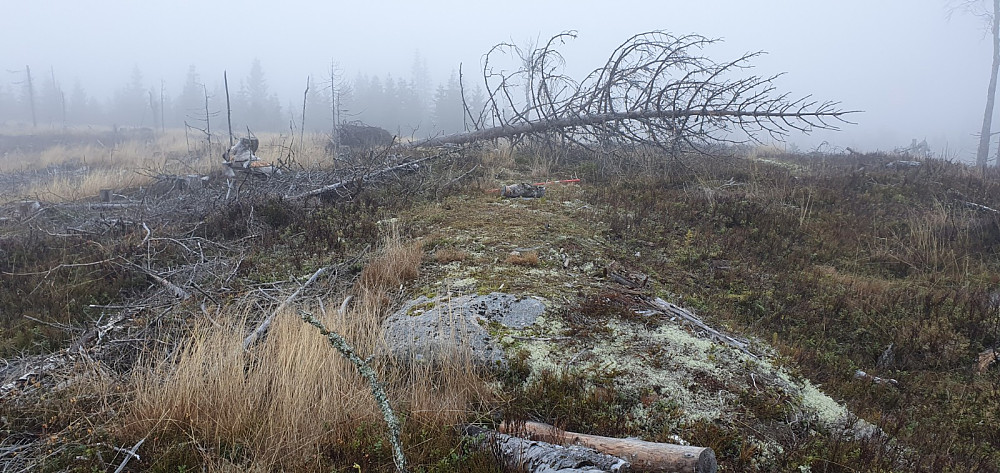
(644, 456)
(533, 456)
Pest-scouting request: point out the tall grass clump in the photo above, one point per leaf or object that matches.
(292, 402)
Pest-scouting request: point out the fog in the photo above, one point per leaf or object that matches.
(915, 72)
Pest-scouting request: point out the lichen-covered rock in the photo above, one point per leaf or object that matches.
(426, 328)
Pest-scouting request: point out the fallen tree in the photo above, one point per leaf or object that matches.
(642, 455)
(394, 167)
(567, 125)
(656, 89)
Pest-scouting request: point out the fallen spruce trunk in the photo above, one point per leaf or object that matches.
(644, 456)
(534, 456)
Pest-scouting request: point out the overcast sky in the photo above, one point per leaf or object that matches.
(915, 72)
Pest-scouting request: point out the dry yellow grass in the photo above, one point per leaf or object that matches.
(137, 154)
(447, 255)
(86, 185)
(396, 263)
(293, 396)
(98, 166)
(527, 258)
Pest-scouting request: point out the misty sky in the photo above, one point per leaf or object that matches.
(915, 72)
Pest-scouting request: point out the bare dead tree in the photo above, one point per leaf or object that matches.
(163, 126)
(656, 89)
(208, 121)
(62, 102)
(153, 109)
(204, 116)
(983, 151)
(229, 109)
(302, 129)
(62, 95)
(334, 109)
(31, 96)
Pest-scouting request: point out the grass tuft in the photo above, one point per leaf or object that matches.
(527, 258)
(448, 255)
(292, 402)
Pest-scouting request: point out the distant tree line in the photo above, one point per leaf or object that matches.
(410, 106)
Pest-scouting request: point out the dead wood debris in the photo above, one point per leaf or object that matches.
(534, 456)
(986, 359)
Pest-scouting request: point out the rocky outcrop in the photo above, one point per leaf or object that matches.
(426, 328)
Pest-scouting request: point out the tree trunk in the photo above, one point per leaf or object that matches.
(644, 456)
(533, 456)
(984, 136)
(547, 125)
(229, 109)
(31, 96)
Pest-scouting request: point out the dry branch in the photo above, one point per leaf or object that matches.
(129, 454)
(378, 391)
(643, 456)
(173, 288)
(860, 374)
(365, 177)
(261, 329)
(675, 310)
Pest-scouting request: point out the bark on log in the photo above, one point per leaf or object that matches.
(532, 456)
(644, 456)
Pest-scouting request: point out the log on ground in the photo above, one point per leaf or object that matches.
(644, 456)
(533, 456)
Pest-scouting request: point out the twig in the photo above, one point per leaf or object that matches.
(149, 233)
(60, 266)
(204, 310)
(67, 328)
(466, 173)
(130, 454)
(378, 391)
(981, 207)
